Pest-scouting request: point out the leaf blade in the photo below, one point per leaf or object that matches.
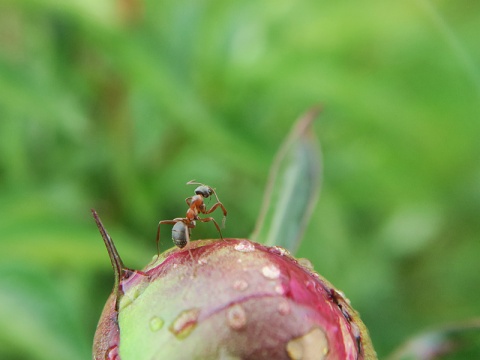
(292, 187)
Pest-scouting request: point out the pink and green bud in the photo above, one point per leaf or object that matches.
(238, 300)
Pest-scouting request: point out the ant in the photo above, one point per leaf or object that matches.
(183, 226)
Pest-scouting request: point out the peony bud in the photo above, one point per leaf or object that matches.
(237, 300)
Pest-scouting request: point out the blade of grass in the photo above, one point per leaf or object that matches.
(292, 187)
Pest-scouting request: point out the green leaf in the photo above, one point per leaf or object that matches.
(460, 341)
(292, 188)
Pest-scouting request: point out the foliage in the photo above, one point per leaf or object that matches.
(116, 104)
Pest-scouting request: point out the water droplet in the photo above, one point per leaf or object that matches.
(284, 307)
(279, 250)
(271, 271)
(312, 345)
(156, 323)
(240, 285)
(306, 263)
(279, 289)
(236, 317)
(202, 261)
(245, 246)
(112, 353)
(185, 322)
(315, 274)
(310, 285)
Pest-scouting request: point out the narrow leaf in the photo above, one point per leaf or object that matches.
(292, 188)
(460, 341)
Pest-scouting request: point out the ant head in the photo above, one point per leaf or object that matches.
(204, 190)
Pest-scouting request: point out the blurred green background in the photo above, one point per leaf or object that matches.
(115, 105)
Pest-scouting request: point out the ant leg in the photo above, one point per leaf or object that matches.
(171, 222)
(219, 202)
(216, 224)
(212, 209)
(187, 236)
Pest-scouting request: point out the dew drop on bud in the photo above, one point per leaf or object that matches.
(202, 261)
(284, 307)
(185, 322)
(310, 285)
(306, 263)
(312, 345)
(271, 272)
(156, 323)
(236, 317)
(240, 285)
(280, 290)
(278, 250)
(245, 246)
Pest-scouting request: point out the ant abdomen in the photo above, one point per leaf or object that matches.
(179, 234)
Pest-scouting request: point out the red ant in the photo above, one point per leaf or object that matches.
(183, 226)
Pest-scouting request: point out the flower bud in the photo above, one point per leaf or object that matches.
(235, 300)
